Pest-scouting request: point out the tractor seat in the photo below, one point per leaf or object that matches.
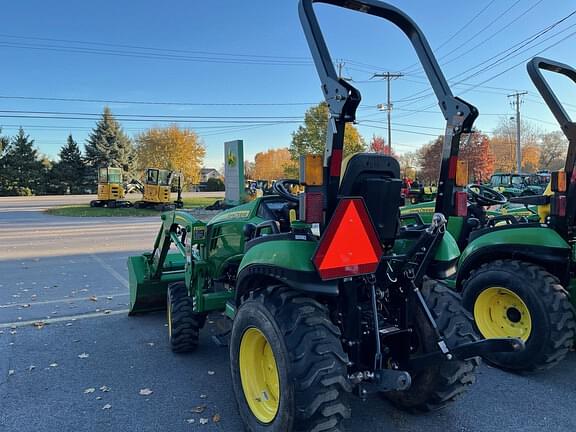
(376, 178)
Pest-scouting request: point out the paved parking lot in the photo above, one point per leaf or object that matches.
(83, 365)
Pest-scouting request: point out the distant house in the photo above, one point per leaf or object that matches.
(208, 173)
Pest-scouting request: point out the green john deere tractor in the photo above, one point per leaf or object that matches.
(314, 317)
(516, 271)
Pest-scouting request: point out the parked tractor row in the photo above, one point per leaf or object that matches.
(336, 290)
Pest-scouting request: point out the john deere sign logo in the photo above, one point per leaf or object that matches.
(231, 159)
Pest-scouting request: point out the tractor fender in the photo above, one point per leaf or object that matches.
(536, 244)
(286, 261)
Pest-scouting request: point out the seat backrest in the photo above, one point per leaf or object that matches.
(376, 178)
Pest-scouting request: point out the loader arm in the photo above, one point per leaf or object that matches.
(151, 273)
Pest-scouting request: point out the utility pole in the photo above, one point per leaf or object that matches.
(388, 77)
(516, 103)
(341, 65)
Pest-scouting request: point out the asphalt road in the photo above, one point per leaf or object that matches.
(84, 368)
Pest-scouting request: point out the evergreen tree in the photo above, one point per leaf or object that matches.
(68, 173)
(108, 145)
(21, 170)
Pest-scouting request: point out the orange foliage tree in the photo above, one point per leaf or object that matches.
(378, 145)
(429, 159)
(477, 152)
(530, 158)
(271, 164)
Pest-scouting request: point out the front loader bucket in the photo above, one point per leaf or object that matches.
(148, 292)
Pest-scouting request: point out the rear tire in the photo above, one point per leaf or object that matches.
(183, 323)
(433, 387)
(311, 365)
(541, 301)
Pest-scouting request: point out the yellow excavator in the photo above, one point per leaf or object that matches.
(156, 190)
(110, 189)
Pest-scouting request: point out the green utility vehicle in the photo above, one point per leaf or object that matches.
(515, 185)
(516, 271)
(314, 317)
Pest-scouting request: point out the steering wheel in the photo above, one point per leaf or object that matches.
(484, 195)
(281, 187)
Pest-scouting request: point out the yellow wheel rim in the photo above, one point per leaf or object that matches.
(259, 375)
(501, 313)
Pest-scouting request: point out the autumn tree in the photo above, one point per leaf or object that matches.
(248, 169)
(108, 145)
(429, 160)
(271, 164)
(553, 148)
(408, 162)
(475, 149)
(310, 138)
(504, 143)
(171, 148)
(530, 158)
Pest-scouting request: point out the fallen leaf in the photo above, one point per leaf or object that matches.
(145, 392)
(89, 390)
(198, 409)
(216, 418)
(107, 407)
(203, 421)
(211, 372)
(83, 355)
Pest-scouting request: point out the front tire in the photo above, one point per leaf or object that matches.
(183, 323)
(435, 386)
(289, 371)
(511, 298)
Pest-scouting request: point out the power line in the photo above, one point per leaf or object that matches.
(153, 56)
(140, 102)
(456, 33)
(504, 54)
(140, 47)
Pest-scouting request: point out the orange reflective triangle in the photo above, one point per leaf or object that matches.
(350, 245)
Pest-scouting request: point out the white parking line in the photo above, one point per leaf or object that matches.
(110, 270)
(64, 318)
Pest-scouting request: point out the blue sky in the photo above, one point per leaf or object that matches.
(234, 52)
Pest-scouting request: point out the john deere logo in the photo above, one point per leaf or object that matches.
(231, 159)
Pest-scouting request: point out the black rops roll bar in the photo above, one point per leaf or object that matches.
(343, 99)
(534, 68)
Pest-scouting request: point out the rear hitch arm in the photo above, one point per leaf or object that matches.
(468, 350)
